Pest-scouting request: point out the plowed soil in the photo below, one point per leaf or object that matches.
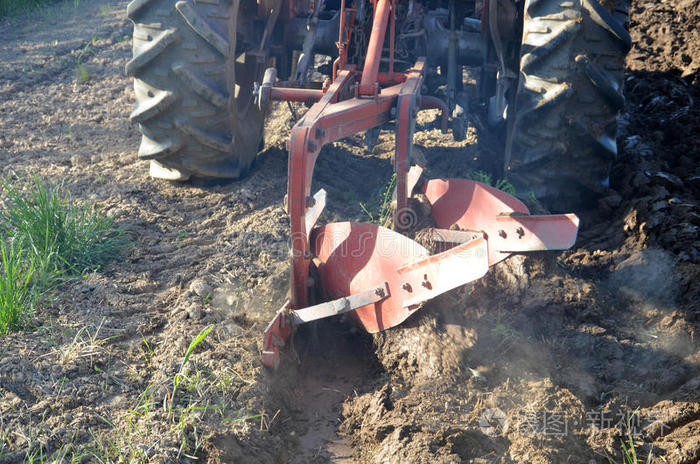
(552, 358)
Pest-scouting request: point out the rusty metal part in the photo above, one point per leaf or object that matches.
(428, 102)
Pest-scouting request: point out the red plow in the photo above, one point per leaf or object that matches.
(380, 275)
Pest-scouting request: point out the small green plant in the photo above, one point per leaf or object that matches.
(505, 186)
(379, 211)
(485, 178)
(81, 73)
(16, 294)
(481, 176)
(193, 344)
(84, 344)
(502, 331)
(629, 447)
(147, 351)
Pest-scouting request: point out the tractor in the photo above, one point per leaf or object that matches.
(548, 84)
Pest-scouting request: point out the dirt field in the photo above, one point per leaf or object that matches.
(544, 361)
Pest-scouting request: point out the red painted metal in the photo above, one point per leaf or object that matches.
(405, 118)
(376, 43)
(295, 95)
(275, 337)
(504, 220)
(332, 118)
(535, 233)
(358, 256)
(392, 37)
(364, 264)
(427, 102)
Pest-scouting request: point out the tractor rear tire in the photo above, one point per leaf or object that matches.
(562, 123)
(194, 92)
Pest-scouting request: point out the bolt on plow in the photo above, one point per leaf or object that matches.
(381, 276)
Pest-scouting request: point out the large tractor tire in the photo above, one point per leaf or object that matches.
(562, 131)
(194, 90)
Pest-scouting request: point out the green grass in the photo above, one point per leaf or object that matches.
(486, 178)
(47, 238)
(47, 8)
(628, 447)
(62, 236)
(11, 7)
(193, 344)
(81, 73)
(15, 286)
(378, 209)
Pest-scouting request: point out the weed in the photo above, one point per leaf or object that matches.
(12, 7)
(84, 345)
(505, 186)
(45, 239)
(105, 8)
(481, 176)
(501, 330)
(16, 294)
(486, 178)
(629, 448)
(243, 418)
(81, 73)
(379, 212)
(507, 335)
(63, 237)
(193, 344)
(147, 351)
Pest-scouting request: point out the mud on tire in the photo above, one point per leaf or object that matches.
(561, 138)
(193, 89)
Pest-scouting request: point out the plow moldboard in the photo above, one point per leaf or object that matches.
(358, 256)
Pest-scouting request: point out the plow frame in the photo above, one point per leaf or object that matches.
(354, 102)
(384, 290)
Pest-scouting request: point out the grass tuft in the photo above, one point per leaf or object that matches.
(379, 210)
(15, 286)
(46, 238)
(63, 237)
(11, 7)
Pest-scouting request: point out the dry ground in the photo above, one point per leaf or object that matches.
(542, 362)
